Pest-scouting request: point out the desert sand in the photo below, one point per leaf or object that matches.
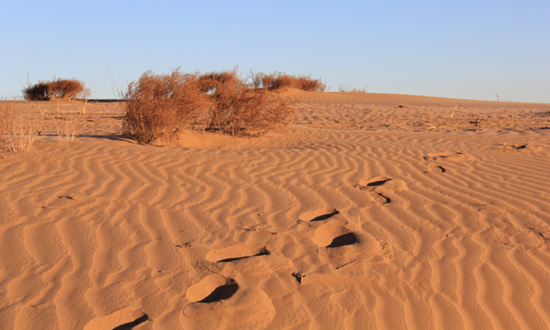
(369, 211)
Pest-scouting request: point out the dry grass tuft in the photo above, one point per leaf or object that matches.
(18, 130)
(58, 89)
(157, 106)
(66, 128)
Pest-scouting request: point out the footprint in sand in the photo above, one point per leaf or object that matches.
(64, 201)
(502, 230)
(211, 289)
(319, 214)
(531, 239)
(528, 239)
(339, 245)
(126, 318)
(333, 235)
(523, 147)
(513, 147)
(218, 302)
(380, 187)
(448, 156)
(436, 168)
(344, 239)
(251, 260)
(237, 252)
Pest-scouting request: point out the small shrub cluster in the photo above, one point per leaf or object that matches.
(278, 80)
(159, 105)
(17, 130)
(57, 89)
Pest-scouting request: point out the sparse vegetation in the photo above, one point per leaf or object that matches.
(347, 89)
(66, 128)
(57, 89)
(278, 80)
(18, 130)
(160, 105)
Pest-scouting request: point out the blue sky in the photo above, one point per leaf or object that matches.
(460, 49)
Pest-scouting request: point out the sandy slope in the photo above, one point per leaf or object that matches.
(391, 227)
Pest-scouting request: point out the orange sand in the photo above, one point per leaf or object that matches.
(371, 211)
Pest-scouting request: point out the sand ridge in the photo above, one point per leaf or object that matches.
(317, 226)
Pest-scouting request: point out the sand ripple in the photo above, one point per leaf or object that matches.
(309, 229)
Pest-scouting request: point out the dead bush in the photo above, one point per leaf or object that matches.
(37, 92)
(212, 81)
(278, 80)
(237, 108)
(58, 89)
(158, 105)
(307, 83)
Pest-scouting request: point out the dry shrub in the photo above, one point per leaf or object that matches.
(37, 92)
(159, 105)
(212, 81)
(18, 130)
(278, 80)
(309, 84)
(236, 108)
(58, 89)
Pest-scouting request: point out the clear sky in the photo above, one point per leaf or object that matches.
(460, 49)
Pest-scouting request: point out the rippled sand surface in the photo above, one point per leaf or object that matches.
(370, 211)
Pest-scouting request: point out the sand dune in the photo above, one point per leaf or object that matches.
(361, 215)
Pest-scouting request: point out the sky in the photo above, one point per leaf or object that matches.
(446, 48)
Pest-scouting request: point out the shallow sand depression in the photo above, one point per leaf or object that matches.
(370, 211)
